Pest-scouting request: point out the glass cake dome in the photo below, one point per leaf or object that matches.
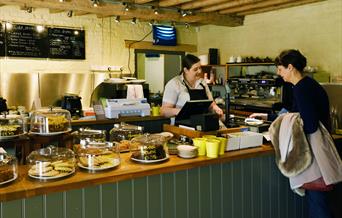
(51, 163)
(50, 122)
(11, 126)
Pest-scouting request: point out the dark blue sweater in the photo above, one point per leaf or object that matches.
(312, 102)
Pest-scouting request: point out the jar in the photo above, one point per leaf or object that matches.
(51, 163)
(98, 156)
(50, 122)
(11, 126)
(8, 168)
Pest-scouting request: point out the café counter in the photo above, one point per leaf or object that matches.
(201, 187)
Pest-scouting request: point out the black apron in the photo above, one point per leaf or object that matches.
(197, 94)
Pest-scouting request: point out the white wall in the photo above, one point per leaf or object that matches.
(315, 29)
(154, 73)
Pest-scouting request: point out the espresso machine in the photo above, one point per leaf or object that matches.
(256, 94)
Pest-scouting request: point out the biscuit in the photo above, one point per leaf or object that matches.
(50, 173)
(40, 171)
(64, 164)
(64, 169)
(40, 165)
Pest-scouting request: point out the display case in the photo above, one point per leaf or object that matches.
(123, 133)
(11, 126)
(86, 136)
(50, 122)
(51, 163)
(98, 156)
(149, 148)
(8, 168)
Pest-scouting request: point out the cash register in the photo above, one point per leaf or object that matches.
(126, 107)
(196, 114)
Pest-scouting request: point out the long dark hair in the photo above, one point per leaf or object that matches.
(189, 60)
(293, 57)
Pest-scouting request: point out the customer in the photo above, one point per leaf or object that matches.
(311, 101)
(189, 85)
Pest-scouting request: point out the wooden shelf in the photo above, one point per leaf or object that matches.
(150, 46)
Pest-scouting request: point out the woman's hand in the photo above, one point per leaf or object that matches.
(217, 110)
(169, 110)
(262, 116)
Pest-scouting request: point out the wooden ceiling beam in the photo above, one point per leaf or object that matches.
(273, 8)
(55, 11)
(169, 3)
(109, 9)
(229, 4)
(257, 5)
(201, 4)
(142, 1)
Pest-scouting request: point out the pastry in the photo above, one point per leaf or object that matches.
(6, 174)
(10, 130)
(64, 169)
(50, 173)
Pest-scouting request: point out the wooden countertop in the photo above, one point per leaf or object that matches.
(24, 187)
(116, 120)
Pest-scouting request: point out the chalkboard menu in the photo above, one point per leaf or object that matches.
(66, 43)
(26, 41)
(2, 39)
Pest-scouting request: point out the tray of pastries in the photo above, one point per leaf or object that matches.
(98, 156)
(51, 163)
(50, 122)
(11, 126)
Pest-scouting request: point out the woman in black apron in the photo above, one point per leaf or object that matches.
(186, 86)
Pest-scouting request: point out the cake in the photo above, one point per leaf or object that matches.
(150, 152)
(54, 123)
(6, 174)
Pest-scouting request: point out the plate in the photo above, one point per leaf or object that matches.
(150, 161)
(137, 81)
(187, 156)
(253, 121)
(117, 163)
(11, 136)
(52, 177)
(50, 133)
(14, 178)
(167, 135)
(129, 78)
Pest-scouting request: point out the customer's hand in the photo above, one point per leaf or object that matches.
(262, 116)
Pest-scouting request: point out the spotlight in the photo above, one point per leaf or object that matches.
(187, 25)
(29, 9)
(155, 10)
(117, 19)
(151, 22)
(76, 33)
(95, 3)
(61, 0)
(183, 13)
(40, 28)
(70, 13)
(127, 7)
(134, 20)
(173, 23)
(9, 26)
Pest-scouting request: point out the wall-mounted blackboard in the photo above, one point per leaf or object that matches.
(66, 43)
(21, 40)
(26, 41)
(2, 39)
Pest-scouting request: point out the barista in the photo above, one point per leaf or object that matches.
(189, 85)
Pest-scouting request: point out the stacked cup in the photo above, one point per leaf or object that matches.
(210, 145)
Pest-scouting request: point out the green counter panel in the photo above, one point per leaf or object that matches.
(249, 188)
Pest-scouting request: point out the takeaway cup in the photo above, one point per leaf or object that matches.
(212, 147)
(201, 144)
